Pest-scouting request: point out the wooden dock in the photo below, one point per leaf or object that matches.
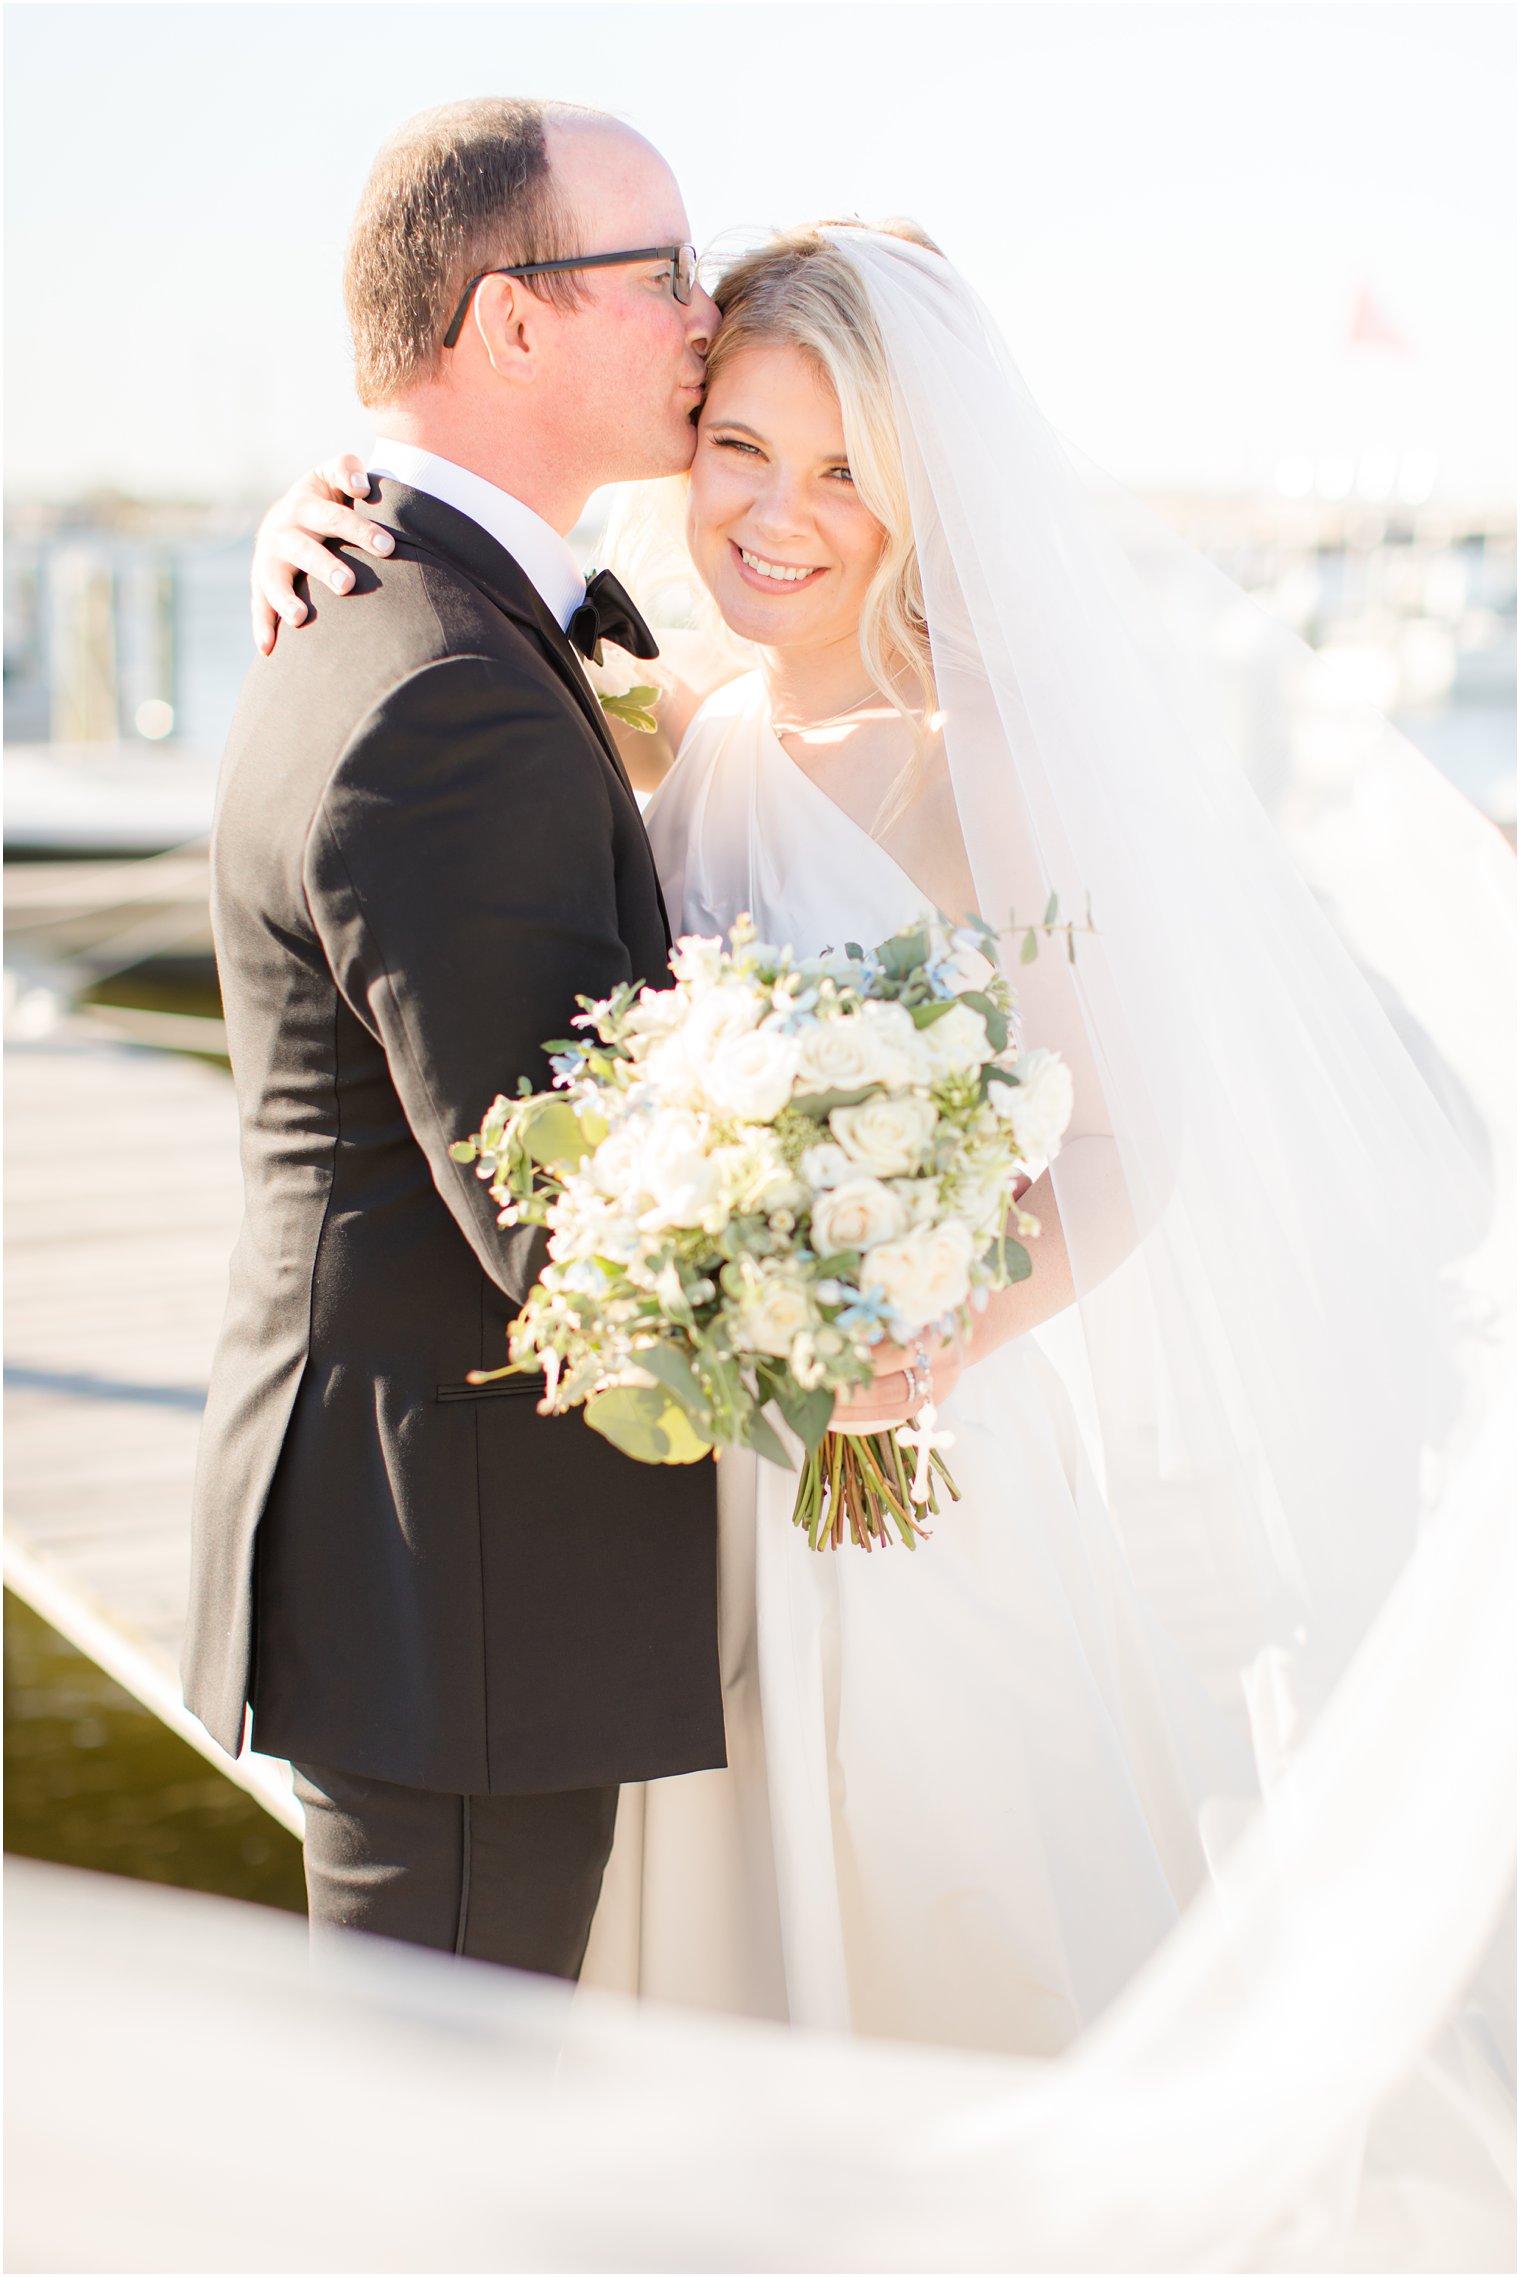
(122, 1203)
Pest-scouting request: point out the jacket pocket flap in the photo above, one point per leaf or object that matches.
(508, 1387)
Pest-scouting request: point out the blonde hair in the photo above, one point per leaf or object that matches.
(800, 290)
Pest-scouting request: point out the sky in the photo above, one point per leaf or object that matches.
(1172, 206)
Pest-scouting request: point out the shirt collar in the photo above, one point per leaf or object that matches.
(540, 552)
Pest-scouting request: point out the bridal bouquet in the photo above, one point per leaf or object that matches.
(753, 1178)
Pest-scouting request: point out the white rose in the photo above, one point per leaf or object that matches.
(751, 1076)
(837, 1055)
(679, 1175)
(670, 1072)
(897, 1044)
(919, 1198)
(1038, 1107)
(616, 1165)
(697, 956)
(955, 1043)
(718, 1016)
(887, 1137)
(856, 1215)
(654, 1012)
(755, 1177)
(924, 1275)
(826, 1165)
(771, 1320)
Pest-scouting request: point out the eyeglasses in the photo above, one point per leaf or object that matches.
(683, 275)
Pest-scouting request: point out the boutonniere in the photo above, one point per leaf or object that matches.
(634, 707)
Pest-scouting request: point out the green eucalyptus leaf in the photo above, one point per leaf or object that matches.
(807, 1412)
(1030, 950)
(821, 1104)
(1052, 908)
(644, 1422)
(634, 707)
(904, 952)
(552, 1134)
(992, 1014)
(758, 1435)
(672, 1369)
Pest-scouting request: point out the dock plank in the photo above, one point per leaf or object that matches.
(123, 1196)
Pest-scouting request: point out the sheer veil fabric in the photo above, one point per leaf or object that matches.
(1287, 1195)
(1287, 1189)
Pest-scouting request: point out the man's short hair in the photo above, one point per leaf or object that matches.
(459, 189)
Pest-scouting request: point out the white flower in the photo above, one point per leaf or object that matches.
(807, 1366)
(697, 957)
(678, 1174)
(615, 1166)
(887, 1137)
(919, 1198)
(826, 1165)
(967, 964)
(924, 1275)
(670, 1072)
(980, 1203)
(838, 1055)
(654, 1012)
(896, 1041)
(717, 1016)
(751, 1076)
(1038, 1107)
(955, 1042)
(856, 1215)
(595, 1229)
(755, 1177)
(774, 1316)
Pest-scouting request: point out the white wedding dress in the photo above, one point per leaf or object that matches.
(950, 1812)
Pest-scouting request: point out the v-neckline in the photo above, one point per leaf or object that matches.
(925, 901)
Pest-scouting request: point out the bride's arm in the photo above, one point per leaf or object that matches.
(290, 540)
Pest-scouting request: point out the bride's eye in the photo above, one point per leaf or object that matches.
(843, 473)
(734, 443)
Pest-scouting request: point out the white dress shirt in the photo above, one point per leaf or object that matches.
(540, 552)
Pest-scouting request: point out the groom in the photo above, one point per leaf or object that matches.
(464, 1623)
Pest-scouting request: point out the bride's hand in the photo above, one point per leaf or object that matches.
(290, 539)
(887, 1399)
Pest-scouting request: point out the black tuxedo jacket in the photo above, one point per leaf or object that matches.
(425, 847)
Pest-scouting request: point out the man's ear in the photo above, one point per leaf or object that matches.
(505, 318)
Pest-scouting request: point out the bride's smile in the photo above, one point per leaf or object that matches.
(775, 526)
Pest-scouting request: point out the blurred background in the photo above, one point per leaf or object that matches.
(1257, 261)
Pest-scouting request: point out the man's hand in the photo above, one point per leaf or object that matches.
(290, 540)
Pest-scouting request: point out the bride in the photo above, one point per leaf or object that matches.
(970, 1790)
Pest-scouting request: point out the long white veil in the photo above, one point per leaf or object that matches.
(1287, 1191)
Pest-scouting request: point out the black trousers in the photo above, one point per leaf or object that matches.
(506, 1878)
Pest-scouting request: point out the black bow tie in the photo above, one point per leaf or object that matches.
(608, 614)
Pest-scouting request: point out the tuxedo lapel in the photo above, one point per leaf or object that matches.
(426, 525)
